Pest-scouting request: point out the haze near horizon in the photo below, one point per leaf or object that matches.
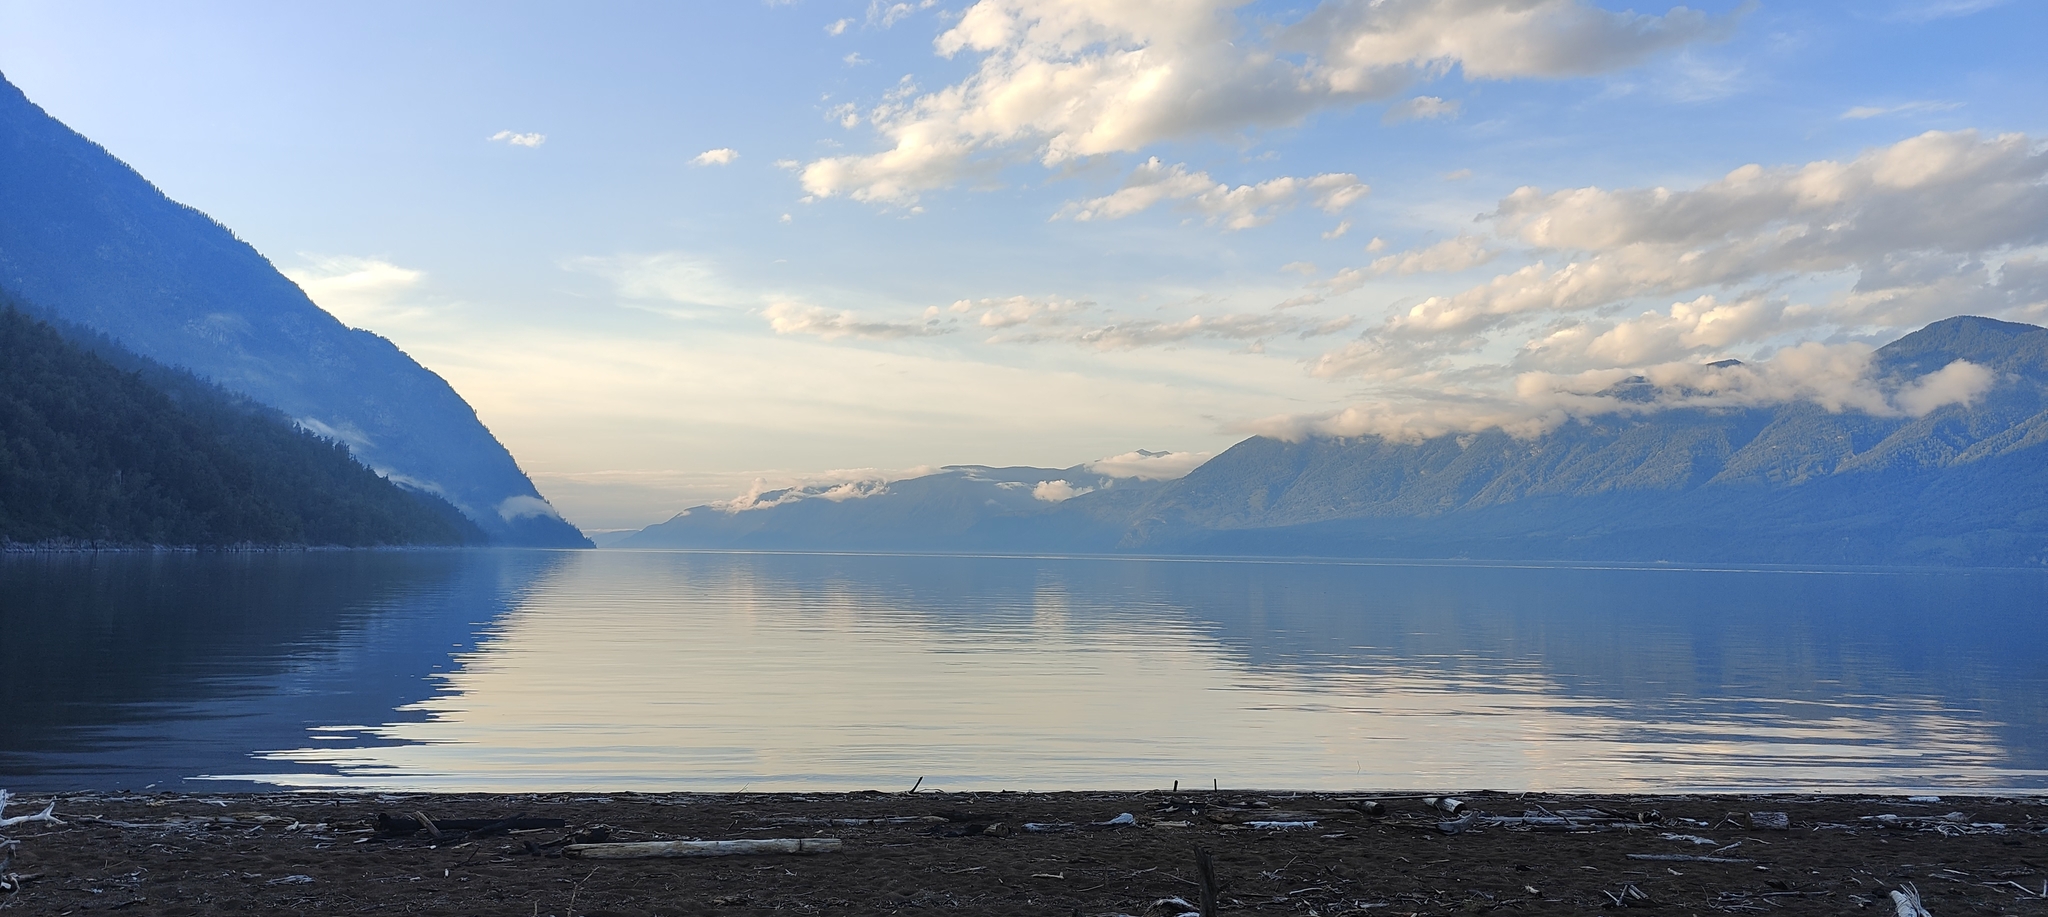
(670, 252)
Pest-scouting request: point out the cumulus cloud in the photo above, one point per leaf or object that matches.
(1061, 80)
(1242, 207)
(1058, 491)
(1149, 466)
(799, 318)
(1629, 300)
(1447, 257)
(1836, 377)
(718, 157)
(838, 26)
(1935, 199)
(514, 139)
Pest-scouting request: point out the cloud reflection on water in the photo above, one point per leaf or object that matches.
(672, 671)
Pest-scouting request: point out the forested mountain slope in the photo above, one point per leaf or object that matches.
(143, 454)
(92, 242)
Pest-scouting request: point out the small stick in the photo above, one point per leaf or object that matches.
(1206, 872)
(919, 783)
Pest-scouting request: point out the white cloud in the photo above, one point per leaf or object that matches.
(799, 318)
(359, 291)
(525, 140)
(1702, 326)
(1862, 112)
(1149, 466)
(1961, 382)
(1020, 310)
(1938, 198)
(526, 507)
(837, 486)
(1836, 377)
(1067, 80)
(838, 26)
(1455, 254)
(1657, 283)
(1058, 491)
(1133, 333)
(718, 157)
(1339, 231)
(1421, 108)
(1243, 207)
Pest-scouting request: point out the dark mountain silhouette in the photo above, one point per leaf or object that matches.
(1789, 483)
(137, 453)
(93, 243)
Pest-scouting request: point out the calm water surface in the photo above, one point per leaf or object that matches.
(616, 670)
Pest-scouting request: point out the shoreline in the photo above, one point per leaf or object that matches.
(1093, 853)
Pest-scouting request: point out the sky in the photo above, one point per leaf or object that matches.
(674, 252)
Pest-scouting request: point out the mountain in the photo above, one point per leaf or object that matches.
(137, 453)
(1964, 484)
(85, 238)
(1792, 483)
(959, 508)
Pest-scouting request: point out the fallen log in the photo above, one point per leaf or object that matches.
(654, 849)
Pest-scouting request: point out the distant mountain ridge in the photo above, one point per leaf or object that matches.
(92, 242)
(1787, 483)
(958, 508)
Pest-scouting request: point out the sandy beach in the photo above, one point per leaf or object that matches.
(1026, 853)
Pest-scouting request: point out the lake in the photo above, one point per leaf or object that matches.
(510, 670)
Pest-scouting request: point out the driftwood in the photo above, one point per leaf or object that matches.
(47, 814)
(1684, 858)
(1906, 902)
(660, 849)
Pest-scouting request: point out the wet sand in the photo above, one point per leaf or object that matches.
(1029, 853)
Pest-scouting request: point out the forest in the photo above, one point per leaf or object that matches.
(99, 446)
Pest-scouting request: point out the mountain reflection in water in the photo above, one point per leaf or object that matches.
(493, 670)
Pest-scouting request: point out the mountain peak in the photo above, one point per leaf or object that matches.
(2011, 347)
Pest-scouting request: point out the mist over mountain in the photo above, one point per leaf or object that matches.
(93, 243)
(101, 446)
(1961, 483)
(957, 508)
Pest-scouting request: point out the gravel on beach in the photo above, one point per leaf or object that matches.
(1082, 853)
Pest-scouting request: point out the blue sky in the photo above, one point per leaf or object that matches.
(1035, 232)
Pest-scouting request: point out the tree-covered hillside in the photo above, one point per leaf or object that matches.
(142, 454)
